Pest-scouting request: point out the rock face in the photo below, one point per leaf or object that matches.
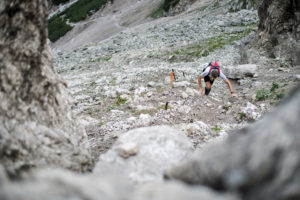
(236, 5)
(279, 29)
(240, 71)
(260, 162)
(36, 123)
(156, 148)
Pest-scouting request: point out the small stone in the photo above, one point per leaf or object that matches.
(184, 95)
(128, 149)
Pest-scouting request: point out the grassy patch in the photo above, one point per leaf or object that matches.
(109, 108)
(106, 58)
(72, 68)
(100, 124)
(205, 47)
(216, 128)
(226, 107)
(262, 95)
(120, 101)
(274, 93)
(92, 83)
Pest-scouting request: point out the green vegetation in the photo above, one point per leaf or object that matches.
(118, 102)
(138, 112)
(109, 108)
(92, 83)
(242, 116)
(274, 87)
(78, 11)
(57, 2)
(163, 107)
(100, 124)
(82, 8)
(106, 58)
(72, 68)
(226, 107)
(205, 47)
(164, 8)
(57, 27)
(216, 128)
(274, 93)
(262, 95)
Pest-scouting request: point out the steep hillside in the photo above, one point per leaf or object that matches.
(123, 82)
(111, 19)
(138, 124)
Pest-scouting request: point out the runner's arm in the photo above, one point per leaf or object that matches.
(200, 84)
(230, 88)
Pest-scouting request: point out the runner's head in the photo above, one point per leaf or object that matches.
(214, 74)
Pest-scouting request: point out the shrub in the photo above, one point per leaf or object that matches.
(57, 28)
(82, 8)
(57, 2)
(274, 87)
(261, 95)
(164, 8)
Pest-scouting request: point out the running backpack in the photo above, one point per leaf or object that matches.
(214, 65)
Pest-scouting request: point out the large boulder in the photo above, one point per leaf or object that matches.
(143, 154)
(240, 71)
(49, 184)
(279, 29)
(37, 127)
(259, 162)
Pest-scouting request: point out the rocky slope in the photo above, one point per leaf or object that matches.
(123, 82)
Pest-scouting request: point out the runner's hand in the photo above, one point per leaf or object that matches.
(233, 95)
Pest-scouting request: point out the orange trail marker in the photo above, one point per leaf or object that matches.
(172, 76)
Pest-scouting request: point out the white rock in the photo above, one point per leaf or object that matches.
(184, 95)
(144, 120)
(184, 109)
(128, 149)
(151, 84)
(181, 84)
(250, 111)
(131, 120)
(190, 91)
(240, 71)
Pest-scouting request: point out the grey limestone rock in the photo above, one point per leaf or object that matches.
(160, 147)
(279, 29)
(240, 71)
(36, 123)
(259, 162)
